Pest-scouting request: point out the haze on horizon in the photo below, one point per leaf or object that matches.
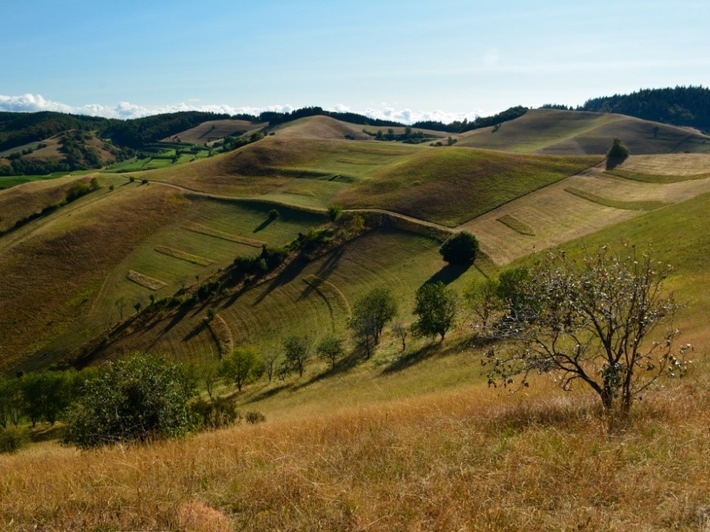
(402, 60)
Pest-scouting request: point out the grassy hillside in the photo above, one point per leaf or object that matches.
(410, 439)
(418, 444)
(579, 133)
(211, 131)
(453, 185)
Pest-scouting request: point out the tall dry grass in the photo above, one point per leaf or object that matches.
(475, 459)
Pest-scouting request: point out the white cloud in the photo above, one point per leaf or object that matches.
(407, 116)
(28, 103)
(125, 110)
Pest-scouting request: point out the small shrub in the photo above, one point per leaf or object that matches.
(254, 418)
(214, 414)
(335, 212)
(12, 440)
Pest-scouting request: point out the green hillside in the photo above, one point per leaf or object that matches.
(579, 133)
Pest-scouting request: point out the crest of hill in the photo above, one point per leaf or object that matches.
(321, 127)
(213, 130)
(556, 132)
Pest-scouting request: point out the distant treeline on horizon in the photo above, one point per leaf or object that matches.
(681, 106)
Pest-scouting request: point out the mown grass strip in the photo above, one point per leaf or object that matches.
(616, 204)
(209, 231)
(655, 178)
(516, 225)
(147, 282)
(183, 255)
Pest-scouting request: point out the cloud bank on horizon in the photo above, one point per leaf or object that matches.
(30, 103)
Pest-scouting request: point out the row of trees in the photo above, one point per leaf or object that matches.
(584, 321)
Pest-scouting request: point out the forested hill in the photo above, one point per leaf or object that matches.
(681, 106)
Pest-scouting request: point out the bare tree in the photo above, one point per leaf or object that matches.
(590, 321)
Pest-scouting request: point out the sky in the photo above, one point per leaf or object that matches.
(405, 60)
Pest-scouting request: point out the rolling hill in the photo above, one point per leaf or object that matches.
(177, 261)
(146, 236)
(558, 132)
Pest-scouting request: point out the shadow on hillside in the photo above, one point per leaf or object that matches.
(341, 366)
(448, 274)
(613, 162)
(270, 392)
(324, 271)
(263, 225)
(410, 359)
(179, 316)
(195, 331)
(288, 274)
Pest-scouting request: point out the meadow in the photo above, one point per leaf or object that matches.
(411, 438)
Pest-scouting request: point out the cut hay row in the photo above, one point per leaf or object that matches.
(677, 165)
(145, 281)
(208, 231)
(554, 215)
(222, 335)
(183, 255)
(617, 204)
(516, 225)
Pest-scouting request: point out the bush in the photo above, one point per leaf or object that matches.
(618, 150)
(335, 212)
(215, 414)
(12, 440)
(136, 399)
(255, 417)
(460, 249)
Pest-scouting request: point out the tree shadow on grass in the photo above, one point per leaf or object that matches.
(613, 162)
(263, 225)
(195, 331)
(341, 366)
(448, 274)
(410, 359)
(270, 392)
(288, 274)
(324, 271)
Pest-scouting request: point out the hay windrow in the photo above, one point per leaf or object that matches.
(150, 283)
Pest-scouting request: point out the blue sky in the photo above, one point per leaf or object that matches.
(407, 60)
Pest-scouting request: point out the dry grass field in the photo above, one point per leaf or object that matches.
(213, 130)
(410, 439)
(470, 458)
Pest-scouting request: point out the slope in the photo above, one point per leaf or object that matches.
(577, 133)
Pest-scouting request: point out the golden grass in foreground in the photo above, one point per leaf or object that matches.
(474, 459)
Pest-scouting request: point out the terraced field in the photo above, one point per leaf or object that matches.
(583, 204)
(190, 221)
